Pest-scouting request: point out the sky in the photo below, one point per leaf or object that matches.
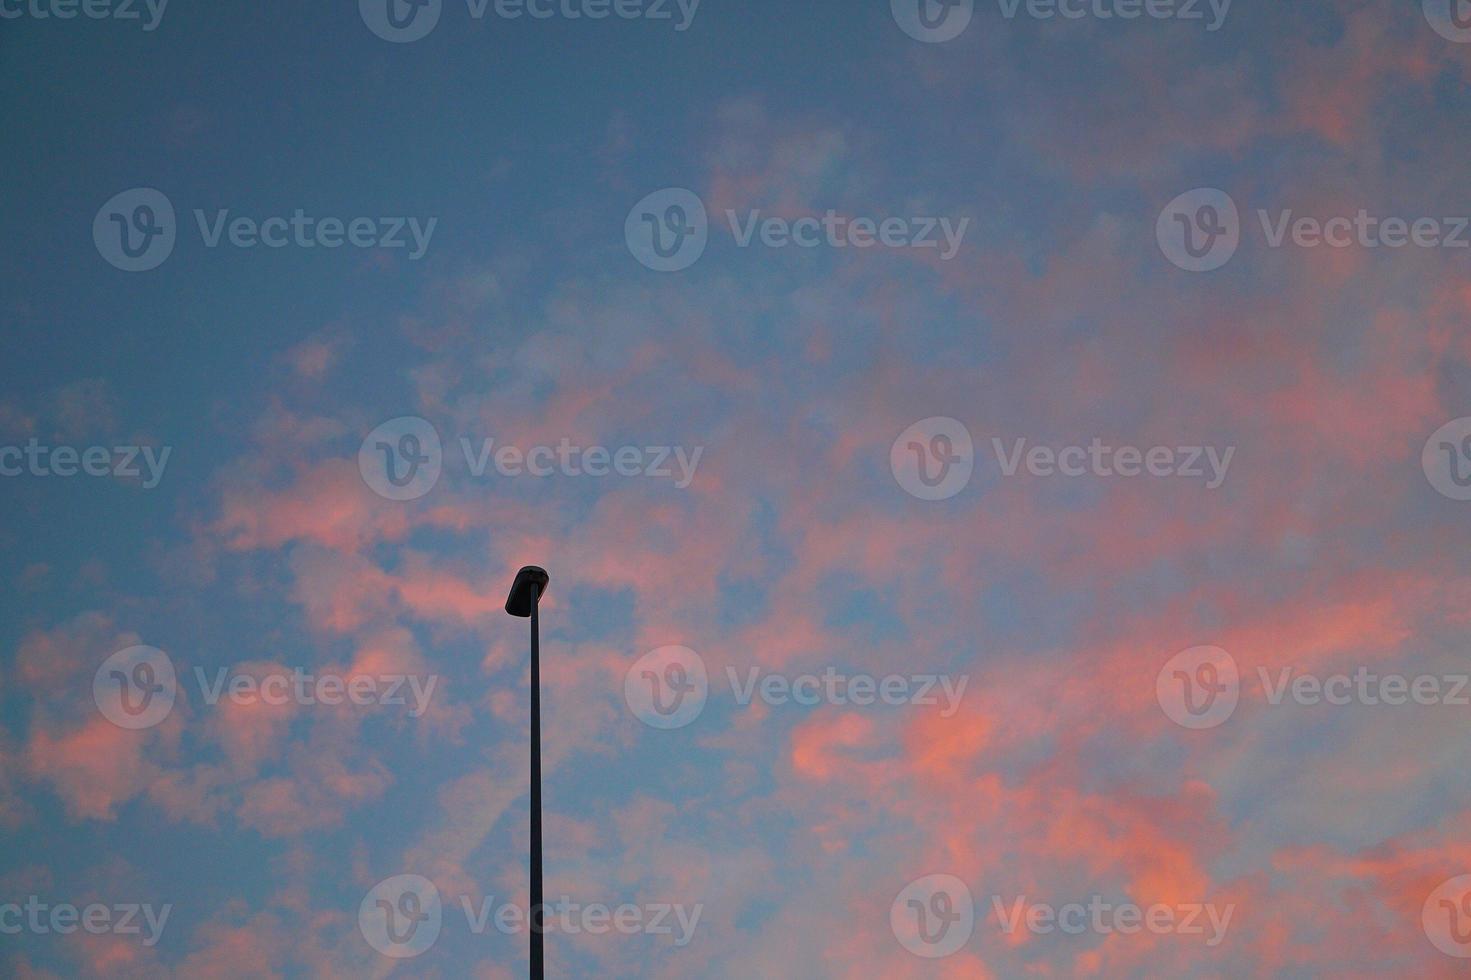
(1002, 468)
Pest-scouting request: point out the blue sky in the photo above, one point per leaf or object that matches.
(819, 395)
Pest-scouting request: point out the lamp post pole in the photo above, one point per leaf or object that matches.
(524, 600)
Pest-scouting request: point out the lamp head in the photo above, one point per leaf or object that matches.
(526, 590)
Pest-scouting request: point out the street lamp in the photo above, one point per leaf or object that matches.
(526, 593)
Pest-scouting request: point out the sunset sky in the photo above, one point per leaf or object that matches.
(1002, 364)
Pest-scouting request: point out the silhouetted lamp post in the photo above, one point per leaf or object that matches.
(526, 593)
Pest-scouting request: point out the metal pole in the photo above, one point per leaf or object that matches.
(538, 965)
(524, 601)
